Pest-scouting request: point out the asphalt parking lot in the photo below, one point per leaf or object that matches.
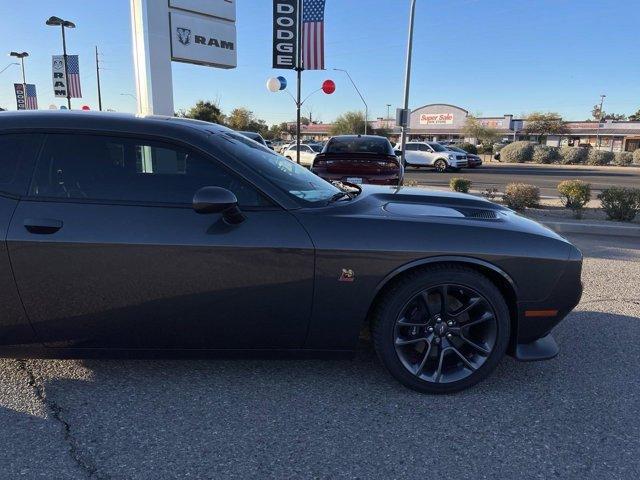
(577, 416)
(545, 177)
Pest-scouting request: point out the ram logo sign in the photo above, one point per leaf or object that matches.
(203, 40)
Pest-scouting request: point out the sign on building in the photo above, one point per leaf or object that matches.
(224, 9)
(285, 35)
(436, 119)
(202, 40)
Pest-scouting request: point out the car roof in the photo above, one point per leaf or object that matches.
(354, 137)
(83, 120)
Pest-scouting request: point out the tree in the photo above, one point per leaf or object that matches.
(543, 124)
(243, 119)
(598, 115)
(206, 111)
(635, 117)
(473, 128)
(350, 123)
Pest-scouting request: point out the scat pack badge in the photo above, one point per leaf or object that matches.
(347, 275)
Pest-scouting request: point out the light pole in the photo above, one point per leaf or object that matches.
(366, 108)
(21, 56)
(10, 65)
(599, 120)
(407, 77)
(59, 22)
(386, 124)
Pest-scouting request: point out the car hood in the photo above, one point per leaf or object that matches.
(425, 205)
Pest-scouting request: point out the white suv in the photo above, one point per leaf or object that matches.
(308, 153)
(432, 154)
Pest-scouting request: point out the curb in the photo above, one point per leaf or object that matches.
(593, 228)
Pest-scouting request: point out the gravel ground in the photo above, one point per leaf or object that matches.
(576, 416)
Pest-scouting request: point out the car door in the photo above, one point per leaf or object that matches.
(306, 155)
(427, 154)
(107, 252)
(412, 155)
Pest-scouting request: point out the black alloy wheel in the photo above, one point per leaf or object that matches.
(448, 332)
(440, 166)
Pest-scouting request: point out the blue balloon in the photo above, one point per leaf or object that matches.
(283, 83)
(62, 107)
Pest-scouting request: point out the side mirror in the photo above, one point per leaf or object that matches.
(218, 200)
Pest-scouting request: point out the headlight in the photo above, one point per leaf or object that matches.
(451, 157)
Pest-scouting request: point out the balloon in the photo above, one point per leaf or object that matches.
(328, 87)
(283, 83)
(52, 107)
(85, 107)
(273, 84)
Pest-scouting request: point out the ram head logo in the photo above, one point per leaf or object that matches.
(184, 35)
(58, 64)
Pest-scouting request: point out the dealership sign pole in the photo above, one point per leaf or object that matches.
(407, 80)
(200, 32)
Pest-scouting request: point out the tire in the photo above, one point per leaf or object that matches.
(396, 347)
(440, 166)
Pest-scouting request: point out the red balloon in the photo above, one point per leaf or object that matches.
(328, 87)
(85, 107)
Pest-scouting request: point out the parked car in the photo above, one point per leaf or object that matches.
(473, 160)
(432, 154)
(256, 137)
(359, 159)
(307, 153)
(269, 144)
(133, 235)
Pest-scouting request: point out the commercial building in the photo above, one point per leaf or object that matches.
(437, 122)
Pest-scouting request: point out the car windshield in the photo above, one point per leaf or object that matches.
(288, 176)
(456, 149)
(374, 145)
(437, 147)
(316, 148)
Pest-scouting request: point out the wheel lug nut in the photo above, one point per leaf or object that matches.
(450, 323)
(437, 339)
(449, 335)
(430, 329)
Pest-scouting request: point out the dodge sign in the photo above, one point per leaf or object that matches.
(285, 22)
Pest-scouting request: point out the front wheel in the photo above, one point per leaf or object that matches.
(440, 166)
(441, 329)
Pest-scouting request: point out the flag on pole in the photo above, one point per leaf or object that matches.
(31, 100)
(73, 69)
(313, 34)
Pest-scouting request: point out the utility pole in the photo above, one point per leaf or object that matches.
(599, 121)
(407, 77)
(98, 78)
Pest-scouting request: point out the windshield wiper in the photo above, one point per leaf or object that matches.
(338, 196)
(352, 190)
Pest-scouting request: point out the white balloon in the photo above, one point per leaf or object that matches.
(273, 84)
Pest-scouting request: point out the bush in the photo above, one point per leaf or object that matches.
(600, 157)
(573, 155)
(519, 196)
(517, 152)
(623, 159)
(620, 203)
(469, 148)
(486, 148)
(460, 185)
(574, 195)
(490, 193)
(636, 157)
(545, 154)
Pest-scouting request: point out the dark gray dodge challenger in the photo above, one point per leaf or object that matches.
(156, 235)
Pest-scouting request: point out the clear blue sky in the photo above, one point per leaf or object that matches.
(489, 56)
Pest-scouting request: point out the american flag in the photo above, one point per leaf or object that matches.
(313, 34)
(31, 99)
(73, 82)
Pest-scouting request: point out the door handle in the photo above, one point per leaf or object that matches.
(45, 226)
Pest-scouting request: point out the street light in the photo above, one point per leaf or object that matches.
(59, 22)
(21, 56)
(407, 76)
(599, 120)
(10, 65)
(366, 108)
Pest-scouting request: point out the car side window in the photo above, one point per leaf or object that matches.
(424, 148)
(18, 152)
(411, 147)
(96, 167)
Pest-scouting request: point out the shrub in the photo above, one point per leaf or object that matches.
(520, 196)
(636, 157)
(573, 155)
(620, 203)
(545, 154)
(575, 194)
(517, 152)
(623, 158)
(490, 193)
(469, 148)
(486, 148)
(460, 185)
(600, 157)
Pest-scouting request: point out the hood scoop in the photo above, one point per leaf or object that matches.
(431, 210)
